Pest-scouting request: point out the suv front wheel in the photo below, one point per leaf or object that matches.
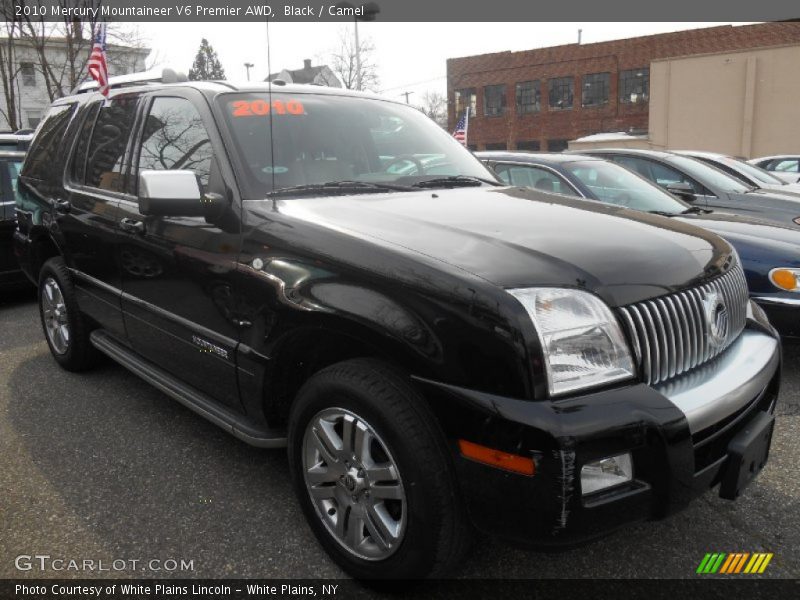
(372, 474)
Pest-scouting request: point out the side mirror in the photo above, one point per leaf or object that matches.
(175, 194)
(682, 190)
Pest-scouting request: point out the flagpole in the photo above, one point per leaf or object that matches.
(466, 128)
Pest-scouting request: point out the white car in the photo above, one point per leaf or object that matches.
(745, 172)
(784, 166)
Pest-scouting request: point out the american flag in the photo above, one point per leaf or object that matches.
(461, 128)
(97, 65)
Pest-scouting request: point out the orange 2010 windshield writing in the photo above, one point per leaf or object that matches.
(259, 108)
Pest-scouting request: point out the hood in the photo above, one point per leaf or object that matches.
(791, 190)
(753, 238)
(768, 201)
(514, 237)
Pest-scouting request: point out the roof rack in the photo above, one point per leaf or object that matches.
(133, 79)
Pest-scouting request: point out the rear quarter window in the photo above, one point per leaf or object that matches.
(105, 158)
(45, 151)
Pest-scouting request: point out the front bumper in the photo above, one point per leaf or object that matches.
(783, 311)
(678, 436)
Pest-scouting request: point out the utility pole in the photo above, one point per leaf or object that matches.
(248, 66)
(370, 10)
(406, 94)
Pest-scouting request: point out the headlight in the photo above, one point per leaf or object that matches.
(581, 339)
(786, 279)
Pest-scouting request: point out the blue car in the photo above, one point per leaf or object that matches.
(770, 252)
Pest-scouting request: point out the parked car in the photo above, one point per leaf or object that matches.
(745, 172)
(10, 274)
(437, 351)
(18, 141)
(770, 253)
(785, 166)
(704, 186)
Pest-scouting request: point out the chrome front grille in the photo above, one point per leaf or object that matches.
(672, 334)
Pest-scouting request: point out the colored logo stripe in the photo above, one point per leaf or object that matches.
(735, 562)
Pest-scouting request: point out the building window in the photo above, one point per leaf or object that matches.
(595, 89)
(497, 146)
(28, 73)
(634, 86)
(472, 147)
(494, 100)
(529, 97)
(531, 145)
(464, 98)
(556, 145)
(34, 116)
(562, 90)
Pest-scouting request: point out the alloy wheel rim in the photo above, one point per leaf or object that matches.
(54, 314)
(354, 484)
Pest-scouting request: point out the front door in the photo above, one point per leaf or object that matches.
(178, 271)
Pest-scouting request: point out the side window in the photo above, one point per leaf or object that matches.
(657, 173)
(787, 166)
(175, 137)
(78, 168)
(44, 151)
(533, 177)
(104, 159)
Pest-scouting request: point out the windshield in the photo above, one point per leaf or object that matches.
(709, 176)
(614, 184)
(311, 139)
(752, 171)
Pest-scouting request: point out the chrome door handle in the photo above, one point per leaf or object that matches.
(132, 225)
(63, 206)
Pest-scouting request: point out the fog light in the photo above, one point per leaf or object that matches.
(606, 473)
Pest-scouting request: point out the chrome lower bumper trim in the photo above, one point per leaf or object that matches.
(770, 300)
(712, 392)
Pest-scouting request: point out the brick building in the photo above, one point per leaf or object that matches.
(539, 99)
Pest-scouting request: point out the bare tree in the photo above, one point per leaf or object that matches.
(344, 61)
(434, 104)
(9, 69)
(61, 70)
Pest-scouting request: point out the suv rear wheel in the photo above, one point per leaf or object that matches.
(64, 326)
(371, 471)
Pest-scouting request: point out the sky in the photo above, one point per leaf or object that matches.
(410, 56)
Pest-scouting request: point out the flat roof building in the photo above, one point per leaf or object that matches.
(541, 99)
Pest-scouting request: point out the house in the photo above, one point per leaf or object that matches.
(319, 75)
(30, 89)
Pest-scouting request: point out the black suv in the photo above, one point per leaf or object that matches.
(333, 272)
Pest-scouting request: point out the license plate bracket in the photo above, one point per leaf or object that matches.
(747, 454)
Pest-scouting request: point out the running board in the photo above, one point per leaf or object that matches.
(235, 424)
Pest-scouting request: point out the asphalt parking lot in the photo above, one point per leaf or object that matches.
(102, 466)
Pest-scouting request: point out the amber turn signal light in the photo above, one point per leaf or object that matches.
(786, 279)
(496, 458)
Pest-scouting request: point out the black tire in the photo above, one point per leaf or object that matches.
(78, 354)
(436, 532)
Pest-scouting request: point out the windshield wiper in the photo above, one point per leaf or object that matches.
(452, 181)
(339, 188)
(696, 210)
(663, 213)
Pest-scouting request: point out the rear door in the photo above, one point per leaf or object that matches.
(178, 271)
(88, 213)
